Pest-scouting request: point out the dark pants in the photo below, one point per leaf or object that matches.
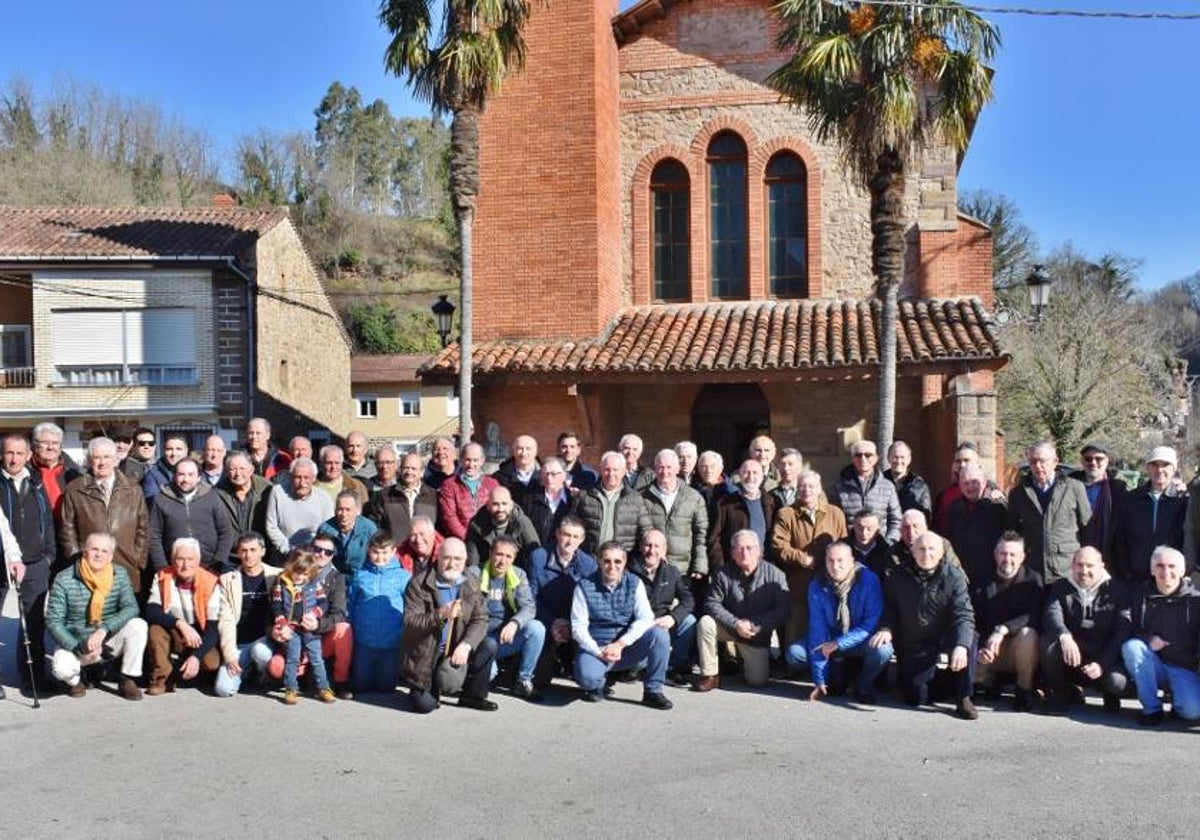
(918, 667)
(1060, 678)
(33, 605)
(478, 678)
(553, 653)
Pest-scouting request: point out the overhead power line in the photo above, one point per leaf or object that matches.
(1019, 10)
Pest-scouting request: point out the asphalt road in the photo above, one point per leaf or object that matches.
(727, 764)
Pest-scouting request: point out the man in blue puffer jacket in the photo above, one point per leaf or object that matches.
(845, 602)
(376, 608)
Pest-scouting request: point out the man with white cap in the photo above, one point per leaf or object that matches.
(1150, 516)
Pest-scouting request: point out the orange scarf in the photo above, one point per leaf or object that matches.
(202, 589)
(101, 583)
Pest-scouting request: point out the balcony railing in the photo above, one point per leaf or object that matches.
(17, 377)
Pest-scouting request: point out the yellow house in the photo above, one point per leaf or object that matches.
(391, 405)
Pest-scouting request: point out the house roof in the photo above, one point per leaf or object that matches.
(752, 336)
(63, 233)
(385, 368)
(629, 22)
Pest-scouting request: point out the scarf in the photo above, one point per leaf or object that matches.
(842, 591)
(203, 585)
(101, 583)
(511, 581)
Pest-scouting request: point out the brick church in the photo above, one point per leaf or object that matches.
(662, 247)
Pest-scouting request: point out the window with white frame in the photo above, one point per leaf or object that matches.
(125, 346)
(16, 349)
(410, 404)
(368, 406)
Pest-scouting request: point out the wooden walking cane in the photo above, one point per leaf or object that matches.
(455, 608)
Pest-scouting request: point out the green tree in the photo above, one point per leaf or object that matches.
(454, 62)
(884, 82)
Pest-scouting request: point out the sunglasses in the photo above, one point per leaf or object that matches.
(145, 442)
(324, 552)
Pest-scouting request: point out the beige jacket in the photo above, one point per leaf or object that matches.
(230, 590)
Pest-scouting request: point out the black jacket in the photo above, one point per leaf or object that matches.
(506, 474)
(1102, 525)
(669, 591)
(1174, 618)
(30, 516)
(1099, 629)
(205, 518)
(1138, 532)
(545, 521)
(927, 610)
(730, 515)
(388, 509)
(974, 529)
(914, 494)
(877, 556)
(482, 531)
(1015, 604)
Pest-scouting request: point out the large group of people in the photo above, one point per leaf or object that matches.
(280, 568)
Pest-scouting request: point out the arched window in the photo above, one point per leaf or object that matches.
(787, 226)
(727, 216)
(670, 188)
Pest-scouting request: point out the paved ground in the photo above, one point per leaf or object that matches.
(728, 764)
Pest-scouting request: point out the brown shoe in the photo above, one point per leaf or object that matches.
(156, 688)
(326, 695)
(128, 689)
(77, 690)
(707, 683)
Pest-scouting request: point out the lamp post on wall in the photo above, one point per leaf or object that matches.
(1038, 283)
(443, 316)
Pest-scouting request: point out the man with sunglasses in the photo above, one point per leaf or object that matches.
(863, 486)
(141, 455)
(1106, 494)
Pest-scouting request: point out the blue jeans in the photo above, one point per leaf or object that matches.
(683, 642)
(1149, 673)
(375, 669)
(874, 660)
(256, 654)
(528, 642)
(654, 647)
(302, 640)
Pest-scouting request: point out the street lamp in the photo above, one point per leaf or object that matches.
(443, 314)
(1038, 283)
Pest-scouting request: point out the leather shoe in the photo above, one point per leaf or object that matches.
(966, 709)
(656, 700)
(707, 683)
(596, 696)
(77, 690)
(128, 689)
(481, 704)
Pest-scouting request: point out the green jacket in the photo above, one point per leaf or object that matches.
(67, 607)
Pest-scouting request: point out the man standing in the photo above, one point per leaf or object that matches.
(791, 464)
(926, 614)
(553, 572)
(976, 522)
(802, 532)
(550, 503)
(1050, 512)
(1149, 517)
(1105, 493)
(54, 467)
(679, 512)
(1164, 614)
(441, 463)
(212, 463)
(350, 531)
(1009, 608)
(1084, 631)
(688, 455)
(244, 495)
(358, 463)
(188, 507)
(845, 603)
(580, 476)
(613, 627)
(500, 518)
(671, 601)
(420, 550)
(183, 611)
(862, 485)
(245, 615)
(106, 501)
(395, 508)
(511, 613)
(867, 542)
(636, 476)
(611, 510)
(23, 502)
(141, 456)
(295, 512)
(762, 449)
(387, 470)
(445, 648)
(747, 601)
(333, 481)
(92, 612)
(519, 472)
(162, 471)
(267, 460)
(462, 495)
(913, 525)
(912, 489)
(748, 508)
(709, 479)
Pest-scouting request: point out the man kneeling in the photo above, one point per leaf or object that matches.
(183, 612)
(845, 602)
(613, 627)
(91, 612)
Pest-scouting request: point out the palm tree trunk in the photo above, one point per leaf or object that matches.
(887, 261)
(464, 187)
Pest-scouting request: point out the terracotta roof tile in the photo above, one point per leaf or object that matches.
(750, 336)
(132, 232)
(383, 368)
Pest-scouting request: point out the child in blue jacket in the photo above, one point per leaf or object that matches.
(376, 607)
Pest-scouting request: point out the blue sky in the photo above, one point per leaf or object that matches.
(1092, 132)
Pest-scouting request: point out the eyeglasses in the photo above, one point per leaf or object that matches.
(324, 552)
(863, 455)
(140, 442)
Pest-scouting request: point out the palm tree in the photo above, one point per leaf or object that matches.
(455, 64)
(883, 81)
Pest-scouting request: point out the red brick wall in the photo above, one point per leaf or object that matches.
(956, 263)
(547, 235)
